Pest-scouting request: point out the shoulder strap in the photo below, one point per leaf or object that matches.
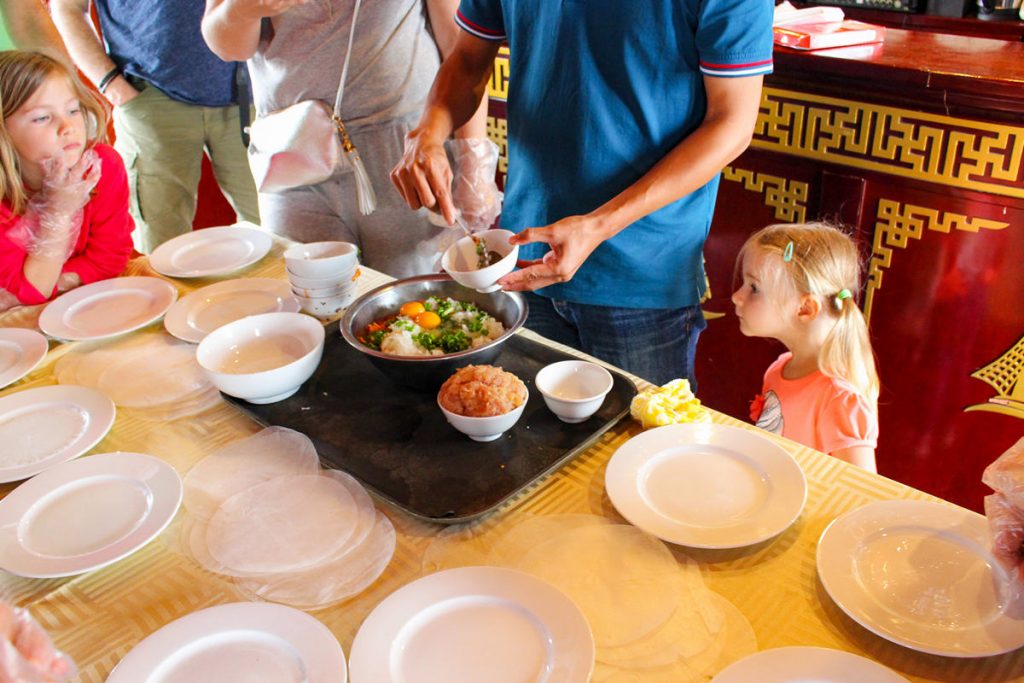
(348, 56)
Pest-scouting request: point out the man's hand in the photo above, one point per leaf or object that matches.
(571, 239)
(120, 91)
(424, 176)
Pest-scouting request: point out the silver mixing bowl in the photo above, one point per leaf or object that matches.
(429, 372)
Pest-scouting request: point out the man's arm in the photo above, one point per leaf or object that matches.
(74, 22)
(724, 133)
(29, 26)
(446, 33)
(423, 176)
(232, 27)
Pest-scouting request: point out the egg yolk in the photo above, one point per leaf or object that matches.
(428, 320)
(412, 309)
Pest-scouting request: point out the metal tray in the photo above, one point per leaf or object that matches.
(398, 444)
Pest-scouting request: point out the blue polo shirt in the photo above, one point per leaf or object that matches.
(161, 43)
(599, 91)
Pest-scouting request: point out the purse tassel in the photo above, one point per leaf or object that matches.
(364, 187)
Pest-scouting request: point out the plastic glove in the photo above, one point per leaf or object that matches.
(27, 654)
(1006, 475)
(1006, 526)
(53, 220)
(7, 300)
(474, 191)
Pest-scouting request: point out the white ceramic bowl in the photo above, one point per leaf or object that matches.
(326, 292)
(483, 428)
(460, 260)
(573, 389)
(328, 307)
(320, 259)
(348, 276)
(262, 358)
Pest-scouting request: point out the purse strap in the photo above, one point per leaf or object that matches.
(348, 56)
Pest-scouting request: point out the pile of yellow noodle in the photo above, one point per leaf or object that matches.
(672, 403)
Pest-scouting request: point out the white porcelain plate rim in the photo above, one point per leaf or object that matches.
(801, 664)
(32, 348)
(836, 555)
(162, 258)
(160, 481)
(572, 644)
(99, 408)
(177, 319)
(786, 487)
(161, 293)
(315, 645)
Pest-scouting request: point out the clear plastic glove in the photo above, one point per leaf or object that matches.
(51, 224)
(474, 191)
(1006, 475)
(7, 300)
(27, 654)
(1006, 526)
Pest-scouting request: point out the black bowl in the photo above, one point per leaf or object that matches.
(428, 373)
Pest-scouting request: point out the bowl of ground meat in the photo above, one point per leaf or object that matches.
(419, 330)
(482, 401)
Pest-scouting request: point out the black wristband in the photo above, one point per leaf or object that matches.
(106, 80)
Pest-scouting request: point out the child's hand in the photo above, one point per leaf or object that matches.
(26, 653)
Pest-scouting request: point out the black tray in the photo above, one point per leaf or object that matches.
(396, 441)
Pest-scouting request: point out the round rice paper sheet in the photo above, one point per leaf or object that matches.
(621, 578)
(271, 453)
(333, 582)
(285, 524)
(526, 535)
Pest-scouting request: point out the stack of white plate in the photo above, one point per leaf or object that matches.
(261, 511)
(323, 276)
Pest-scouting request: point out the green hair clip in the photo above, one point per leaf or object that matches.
(787, 253)
(843, 294)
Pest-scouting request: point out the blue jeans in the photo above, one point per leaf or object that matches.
(656, 344)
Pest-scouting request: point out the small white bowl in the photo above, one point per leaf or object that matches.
(573, 389)
(326, 292)
(320, 259)
(345, 277)
(326, 308)
(262, 358)
(483, 428)
(460, 260)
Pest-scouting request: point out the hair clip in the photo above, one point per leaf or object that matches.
(843, 294)
(787, 253)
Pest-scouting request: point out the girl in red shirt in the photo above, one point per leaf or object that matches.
(63, 195)
(798, 285)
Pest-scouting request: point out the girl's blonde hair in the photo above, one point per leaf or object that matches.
(820, 260)
(21, 74)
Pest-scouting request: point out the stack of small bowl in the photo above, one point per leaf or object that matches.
(323, 276)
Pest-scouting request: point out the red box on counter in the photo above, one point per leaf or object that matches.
(828, 34)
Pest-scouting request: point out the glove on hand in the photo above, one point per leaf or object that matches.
(26, 653)
(474, 191)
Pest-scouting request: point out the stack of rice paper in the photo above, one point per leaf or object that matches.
(262, 512)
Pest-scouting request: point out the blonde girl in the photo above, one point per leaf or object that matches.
(63, 194)
(798, 286)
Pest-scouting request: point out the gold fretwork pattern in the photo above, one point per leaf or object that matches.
(786, 198)
(497, 131)
(497, 89)
(1004, 374)
(898, 223)
(938, 149)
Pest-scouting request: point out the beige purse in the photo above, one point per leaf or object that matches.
(305, 143)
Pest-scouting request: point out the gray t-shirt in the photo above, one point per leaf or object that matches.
(301, 53)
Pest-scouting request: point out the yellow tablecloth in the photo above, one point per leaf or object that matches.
(98, 617)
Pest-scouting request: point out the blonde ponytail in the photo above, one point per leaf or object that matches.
(846, 352)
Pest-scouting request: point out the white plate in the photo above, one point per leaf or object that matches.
(474, 624)
(45, 426)
(921, 575)
(86, 514)
(211, 251)
(107, 308)
(241, 642)
(806, 665)
(206, 309)
(706, 485)
(20, 352)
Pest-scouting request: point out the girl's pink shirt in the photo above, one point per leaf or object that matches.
(819, 411)
(104, 244)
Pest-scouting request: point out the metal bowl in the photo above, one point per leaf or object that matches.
(429, 372)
